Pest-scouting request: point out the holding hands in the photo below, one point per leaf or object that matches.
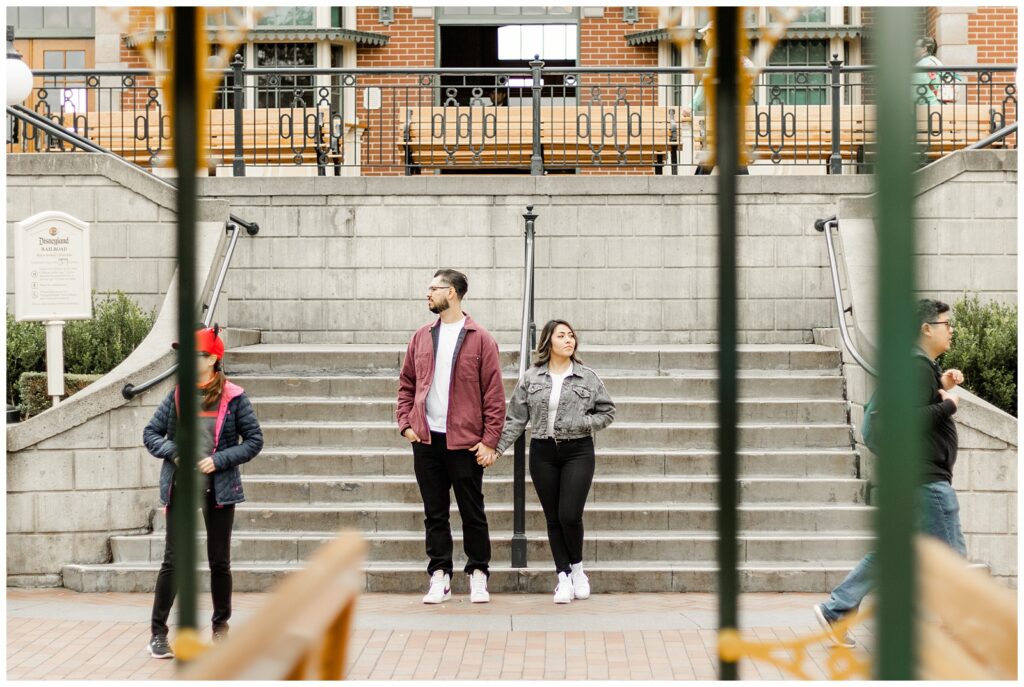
(485, 455)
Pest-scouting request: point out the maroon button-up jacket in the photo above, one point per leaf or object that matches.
(476, 397)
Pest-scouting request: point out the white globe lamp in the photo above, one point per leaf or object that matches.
(19, 76)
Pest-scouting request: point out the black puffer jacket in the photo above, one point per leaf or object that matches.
(237, 437)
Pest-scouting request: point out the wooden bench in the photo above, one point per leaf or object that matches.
(471, 136)
(803, 133)
(598, 135)
(502, 137)
(270, 136)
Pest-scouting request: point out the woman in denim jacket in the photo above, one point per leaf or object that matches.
(562, 447)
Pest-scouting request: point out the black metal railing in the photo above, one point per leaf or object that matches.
(534, 119)
(527, 342)
(825, 226)
(234, 227)
(74, 141)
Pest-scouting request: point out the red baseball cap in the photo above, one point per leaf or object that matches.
(207, 341)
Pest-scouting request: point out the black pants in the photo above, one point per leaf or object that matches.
(704, 170)
(438, 472)
(562, 473)
(218, 549)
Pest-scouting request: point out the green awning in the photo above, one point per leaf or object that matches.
(366, 38)
(801, 32)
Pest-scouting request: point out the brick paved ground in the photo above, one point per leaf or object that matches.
(59, 634)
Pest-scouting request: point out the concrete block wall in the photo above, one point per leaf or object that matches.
(69, 493)
(966, 240)
(132, 221)
(625, 259)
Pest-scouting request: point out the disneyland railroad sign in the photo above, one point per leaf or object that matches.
(52, 275)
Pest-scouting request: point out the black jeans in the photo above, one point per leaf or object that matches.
(562, 473)
(438, 472)
(219, 522)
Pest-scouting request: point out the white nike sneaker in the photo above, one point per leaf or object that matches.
(440, 588)
(580, 582)
(478, 593)
(563, 592)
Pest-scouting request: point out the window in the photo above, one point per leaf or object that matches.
(795, 88)
(286, 16)
(231, 16)
(52, 22)
(550, 41)
(337, 17)
(65, 93)
(812, 15)
(224, 96)
(288, 90)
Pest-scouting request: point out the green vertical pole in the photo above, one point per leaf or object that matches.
(900, 441)
(726, 153)
(185, 156)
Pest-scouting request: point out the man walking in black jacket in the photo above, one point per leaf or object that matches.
(941, 510)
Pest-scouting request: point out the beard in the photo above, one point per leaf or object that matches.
(440, 307)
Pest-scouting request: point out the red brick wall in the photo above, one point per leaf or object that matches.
(412, 44)
(602, 44)
(139, 19)
(994, 31)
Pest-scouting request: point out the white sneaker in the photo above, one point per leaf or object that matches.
(580, 583)
(440, 588)
(563, 592)
(478, 593)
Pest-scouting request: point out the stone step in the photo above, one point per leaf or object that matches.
(315, 358)
(627, 409)
(610, 462)
(390, 517)
(637, 490)
(618, 435)
(401, 576)
(692, 386)
(598, 547)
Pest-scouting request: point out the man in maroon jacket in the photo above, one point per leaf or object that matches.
(451, 407)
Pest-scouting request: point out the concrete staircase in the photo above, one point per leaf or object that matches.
(333, 459)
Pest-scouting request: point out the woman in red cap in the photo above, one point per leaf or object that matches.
(229, 435)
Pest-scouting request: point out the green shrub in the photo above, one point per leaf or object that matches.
(91, 347)
(26, 352)
(985, 350)
(32, 388)
(97, 346)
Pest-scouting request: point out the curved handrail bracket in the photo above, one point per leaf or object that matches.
(825, 226)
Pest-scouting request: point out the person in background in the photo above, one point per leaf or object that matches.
(451, 402)
(566, 404)
(939, 504)
(229, 435)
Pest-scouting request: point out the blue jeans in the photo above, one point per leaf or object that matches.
(940, 515)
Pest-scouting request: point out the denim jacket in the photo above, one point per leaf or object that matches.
(584, 406)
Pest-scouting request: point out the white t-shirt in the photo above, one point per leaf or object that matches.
(437, 397)
(556, 393)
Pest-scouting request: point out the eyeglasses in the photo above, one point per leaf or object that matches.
(432, 289)
(948, 323)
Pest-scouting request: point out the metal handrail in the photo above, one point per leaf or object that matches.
(525, 346)
(130, 391)
(825, 226)
(432, 71)
(993, 137)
